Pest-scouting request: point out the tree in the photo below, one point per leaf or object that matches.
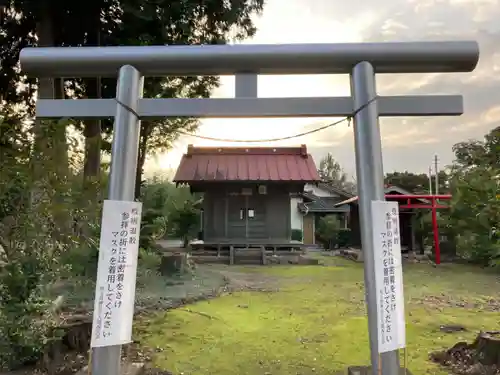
(330, 171)
(34, 22)
(189, 22)
(161, 199)
(414, 183)
(475, 206)
(29, 22)
(475, 214)
(31, 246)
(14, 35)
(328, 231)
(14, 154)
(175, 204)
(475, 153)
(185, 219)
(417, 183)
(128, 22)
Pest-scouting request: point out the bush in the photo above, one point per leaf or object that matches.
(478, 248)
(35, 230)
(153, 223)
(448, 247)
(297, 235)
(24, 338)
(82, 258)
(149, 259)
(185, 219)
(160, 199)
(344, 238)
(31, 255)
(328, 230)
(475, 213)
(147, 266)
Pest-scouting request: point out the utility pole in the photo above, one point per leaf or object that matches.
(430, 180)
(436, 177)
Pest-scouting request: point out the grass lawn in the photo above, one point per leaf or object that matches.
(316, 322)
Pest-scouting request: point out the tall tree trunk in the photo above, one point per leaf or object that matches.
(93, 138)
(50, 136)
(92, 192)
(141, 156)
(92, 131)
(50, 151)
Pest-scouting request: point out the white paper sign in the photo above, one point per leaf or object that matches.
(391, 328)
(116, 273)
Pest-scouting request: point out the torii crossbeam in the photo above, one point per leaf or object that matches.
(362, 61)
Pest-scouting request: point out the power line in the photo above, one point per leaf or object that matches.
(348, 119)
(269, 139)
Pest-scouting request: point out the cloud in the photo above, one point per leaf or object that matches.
(408, 143)
(411, 142)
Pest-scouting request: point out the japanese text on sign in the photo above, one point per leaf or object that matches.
(388, 276)
(116, 273)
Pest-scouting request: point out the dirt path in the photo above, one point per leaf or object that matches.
(252, 281)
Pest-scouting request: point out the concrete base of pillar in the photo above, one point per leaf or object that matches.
(367, 370)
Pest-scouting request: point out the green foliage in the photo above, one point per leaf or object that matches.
(475, 207)
(168, 211)
(189, 22)
(48, 217)
(185, 220)
(471, 224)
(26, 321)
(161, 195)
(81, 259)
(446, 230)
(331, 234)
(35, 245)
(122, 22)
(474, 153)
(14, 155)
(148, 265)
(344, 237)
(328, 231)
(417, 183)
(475, 214)
(297, 235)
(148, 259)
(152, 222)
(31, 247)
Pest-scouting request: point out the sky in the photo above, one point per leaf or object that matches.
(407, 143)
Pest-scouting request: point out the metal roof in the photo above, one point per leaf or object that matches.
(332, 188)
(226, 164)
(323, 205)
(387, 190)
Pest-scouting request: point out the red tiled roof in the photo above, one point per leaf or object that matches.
(205, 164)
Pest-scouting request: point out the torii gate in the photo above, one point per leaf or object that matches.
(360, 60)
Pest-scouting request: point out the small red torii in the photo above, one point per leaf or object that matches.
(433, 205)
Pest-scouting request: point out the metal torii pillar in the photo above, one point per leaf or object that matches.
(360, 60)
